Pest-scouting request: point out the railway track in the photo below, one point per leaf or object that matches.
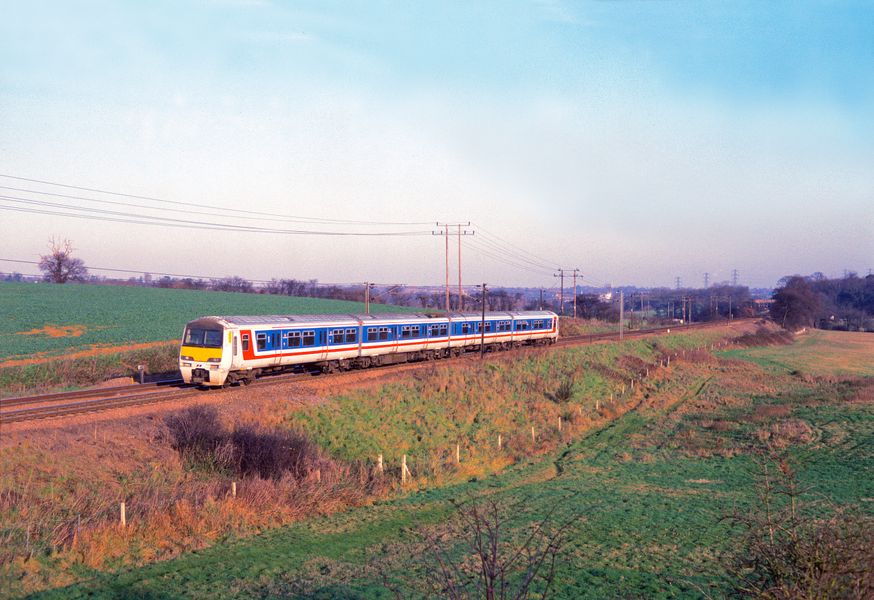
(46, 406)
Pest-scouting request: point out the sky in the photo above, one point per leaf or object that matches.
(636, 141)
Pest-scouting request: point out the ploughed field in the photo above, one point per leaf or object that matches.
(46, 319)
(646, 479)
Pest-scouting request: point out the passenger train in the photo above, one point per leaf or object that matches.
(218, 351)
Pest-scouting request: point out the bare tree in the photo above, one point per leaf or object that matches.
(497, 564)
(792, 546)
(59, 266)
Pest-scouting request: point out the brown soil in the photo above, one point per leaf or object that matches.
(93, 350)
(56, 331)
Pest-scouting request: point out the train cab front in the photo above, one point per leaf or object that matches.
(201, 357)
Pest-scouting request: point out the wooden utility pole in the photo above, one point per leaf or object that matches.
(445, 234)
(621, 311)
(482, 334)
(541, 299)
(560, 275)
(460, 291)
(575, 292)
(447, 266)
(367, 297)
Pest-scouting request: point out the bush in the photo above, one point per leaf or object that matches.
(269, 455)
(565, 390)
(197, 434)
(203, 443)
(790, 550)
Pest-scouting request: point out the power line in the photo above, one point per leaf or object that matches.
(214, 207)
(121, 217)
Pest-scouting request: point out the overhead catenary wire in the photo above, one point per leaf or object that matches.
(121, 217)
(503, 259)
(213, 207)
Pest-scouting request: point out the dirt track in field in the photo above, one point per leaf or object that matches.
(95, 350)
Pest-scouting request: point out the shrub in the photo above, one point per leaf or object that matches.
(564, 391)
(198, 436)
(203, 443)
(790, 550)
(270, 454)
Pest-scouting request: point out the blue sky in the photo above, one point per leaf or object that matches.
(638, 141)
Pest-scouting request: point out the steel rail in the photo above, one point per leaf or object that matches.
(108, 398)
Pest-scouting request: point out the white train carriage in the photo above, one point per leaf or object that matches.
(219, 350)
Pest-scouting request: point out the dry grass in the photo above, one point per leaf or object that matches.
(59, 495)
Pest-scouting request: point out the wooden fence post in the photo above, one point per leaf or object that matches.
(379, 466)
(559, 422)
(404, 469)
(233, 489)
(533, 437)
(122, 515)
(499, 441)
(597, 404)
(458, 454)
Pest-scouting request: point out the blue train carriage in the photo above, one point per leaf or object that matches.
(216, 351)
(503, 330)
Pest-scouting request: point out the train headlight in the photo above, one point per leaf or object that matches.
(214, 367)
(186, 358)
(186, 364)
(214, 360)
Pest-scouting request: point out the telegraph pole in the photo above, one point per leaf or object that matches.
(445, 233)
(541, 299)
(560, 275)
(575, 292)
(621, 311)
(367, 297)
(460, 291)
(482, 329)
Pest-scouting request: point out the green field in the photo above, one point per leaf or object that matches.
(650, 488)
(816, 353)
(650, 485)
(100, 314)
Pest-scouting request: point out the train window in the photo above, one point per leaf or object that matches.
(336, 336)
(411, 331)
(309, 338)
(351, 336)
(465, 328)
(383, 333)
(261, 340)
(521, 325)
(292, 339)
(538, 324)
(433, 330)
(245, 342)
(488, 326)
(235, 350)
(372, 334)
(204, 338)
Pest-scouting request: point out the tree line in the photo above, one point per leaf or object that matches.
(817, 301)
